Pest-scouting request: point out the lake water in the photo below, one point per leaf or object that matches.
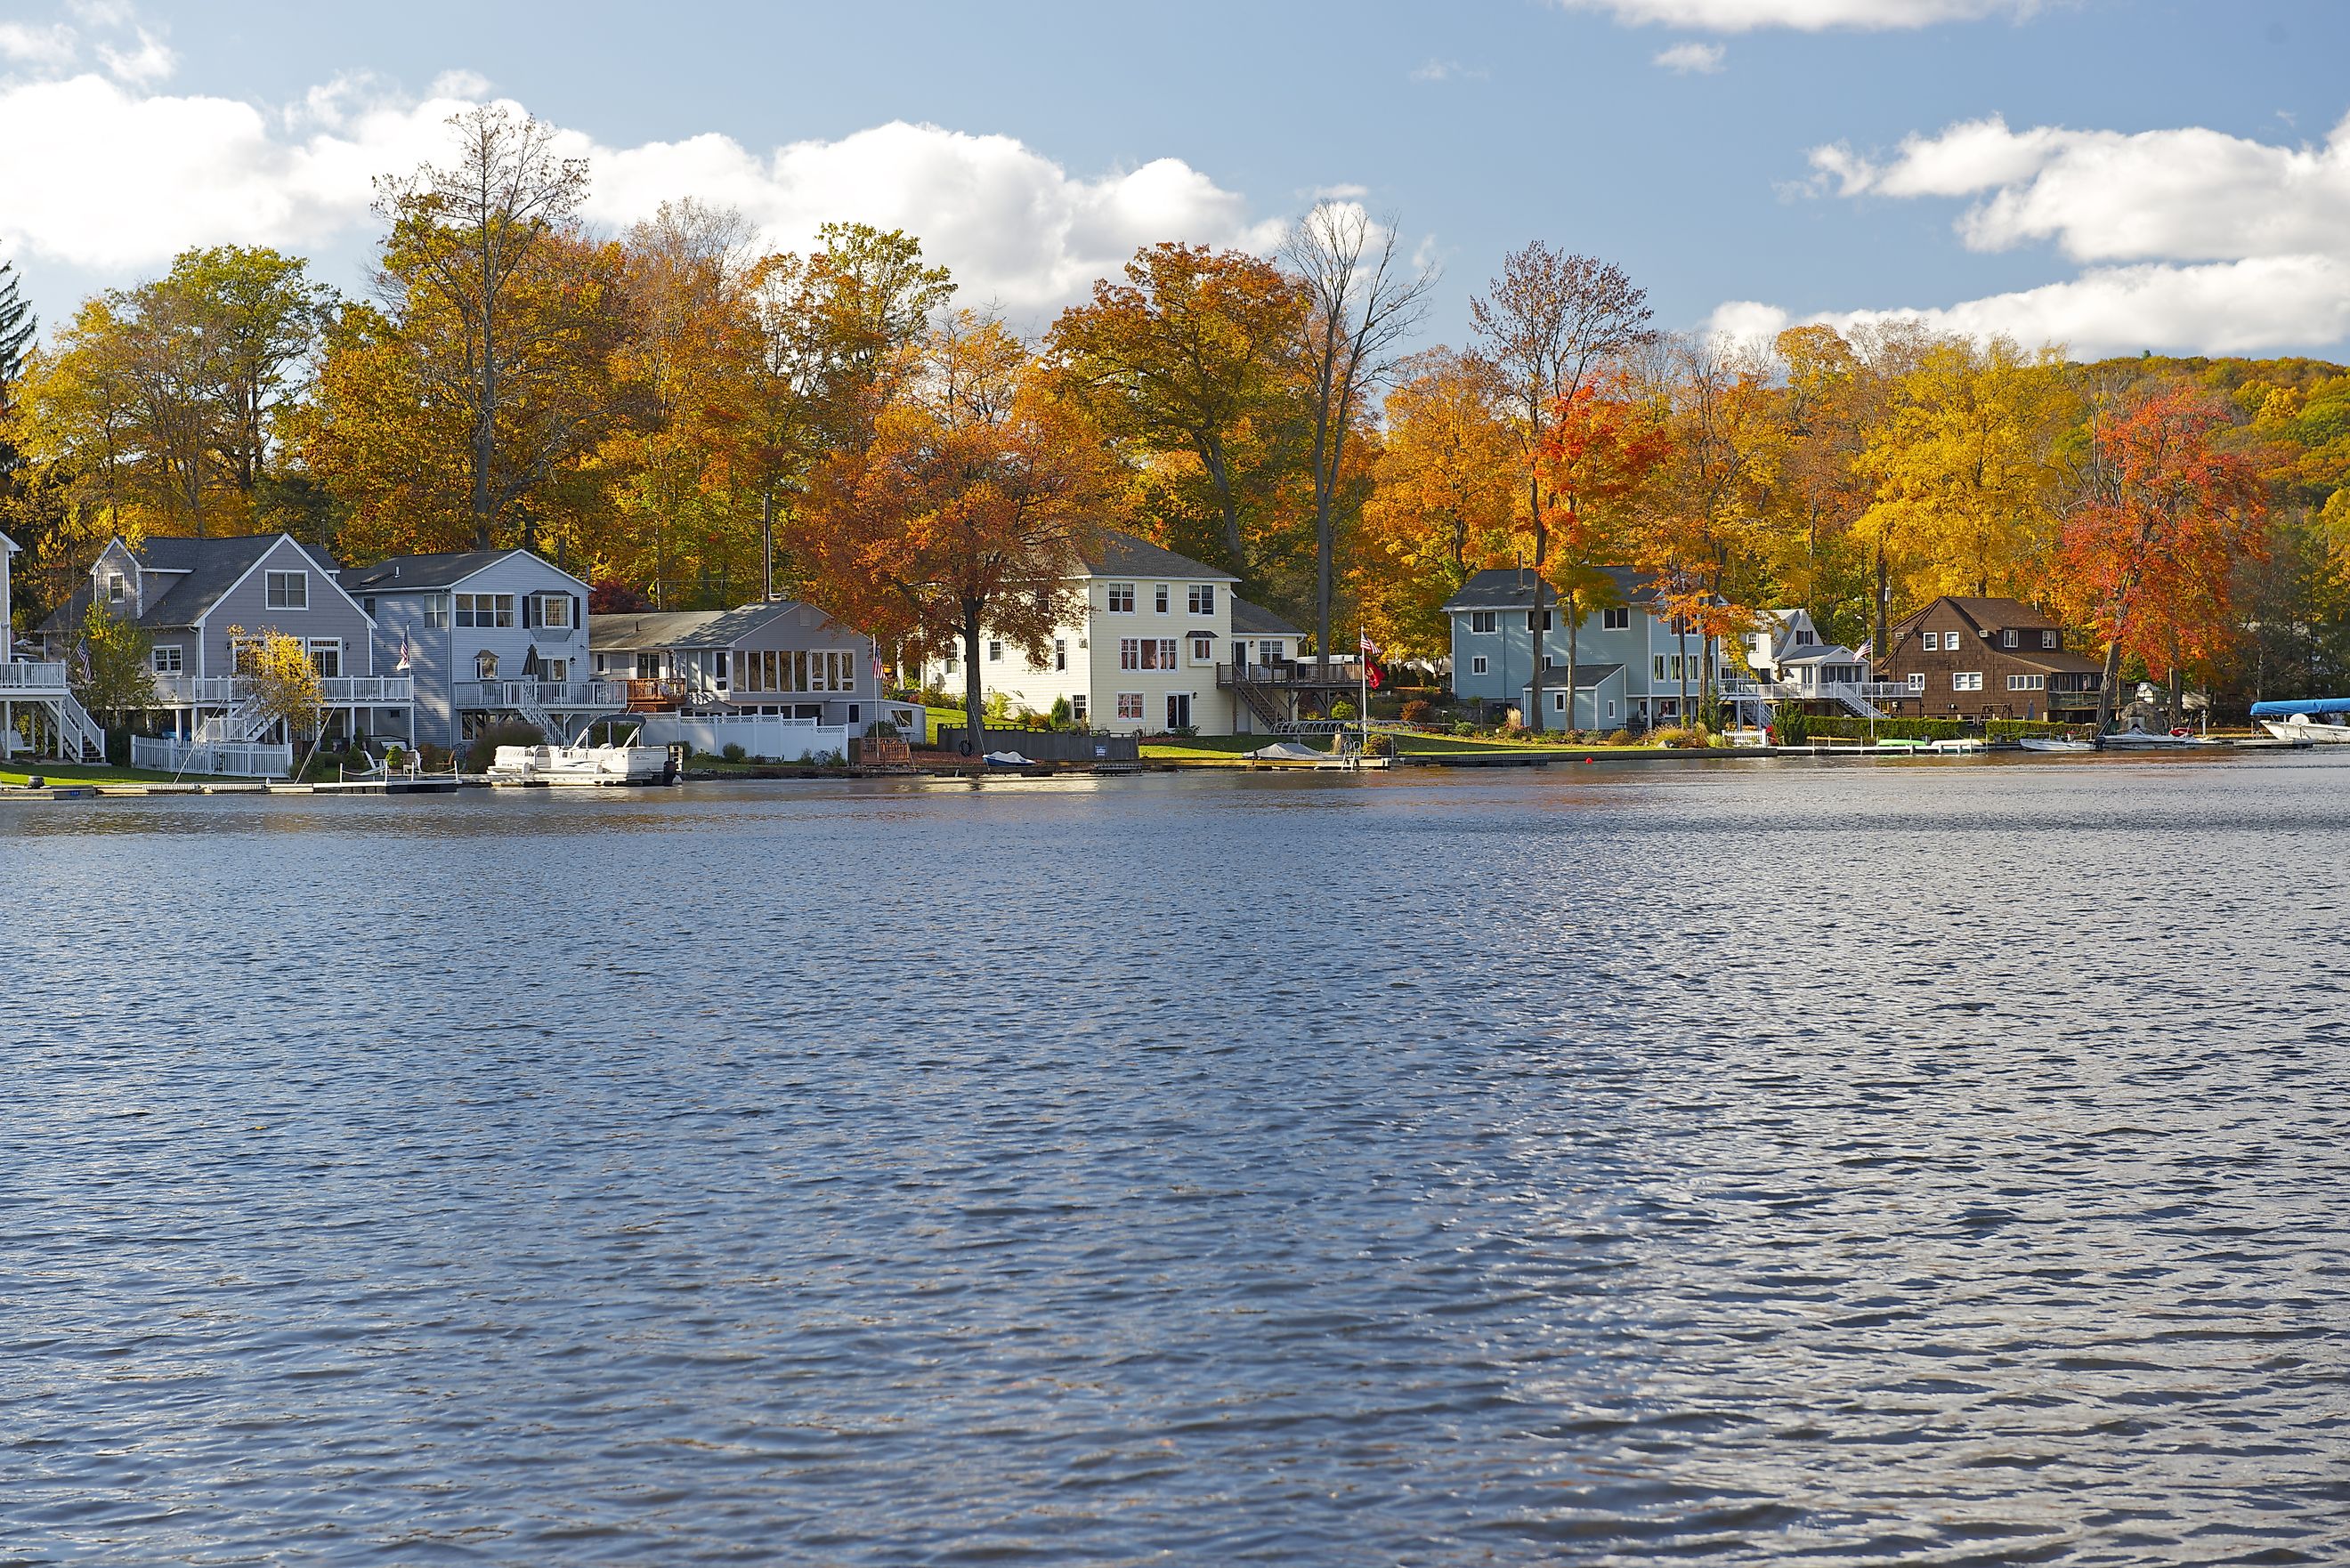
(1920, 1162)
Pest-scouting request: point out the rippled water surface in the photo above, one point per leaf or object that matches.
(1937, 1163)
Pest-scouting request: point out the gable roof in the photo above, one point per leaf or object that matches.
(207, 569)
(1586, 675)
(1985, 614)
(1255, 620)
(9, 545)
(733, 625)
(1116, 555)
(402, 573)
(1512, 587)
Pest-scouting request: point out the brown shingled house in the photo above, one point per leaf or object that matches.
(1988, 658)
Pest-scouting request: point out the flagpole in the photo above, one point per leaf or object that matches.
(1363, 669)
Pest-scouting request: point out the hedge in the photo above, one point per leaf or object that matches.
(2016, 729)
(1851, 729)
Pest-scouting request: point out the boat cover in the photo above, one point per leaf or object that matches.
(1285, 752)
(2313, 706)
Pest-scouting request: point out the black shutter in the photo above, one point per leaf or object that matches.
(578, 613)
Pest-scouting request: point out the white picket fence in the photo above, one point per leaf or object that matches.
(167, 754)
(762, 736)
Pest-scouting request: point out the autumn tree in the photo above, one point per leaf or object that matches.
(1547, 322)
(2148, 562)
(1194, 352)
(460, 252)
(1598, 450)
(1363, 299)
(971, 508)
(109, 665)
(1443, 484)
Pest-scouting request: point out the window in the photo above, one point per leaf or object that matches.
(555, 610)
(1803, 638)
(1480, 620)
(326, 655)
(288, 590)
(1918, 681)
(1129, 704)
(1078, 707)
(1269, 650)
(436, 609)
(1060, 653)
(1477, 665)
(995, 650)
(167, 659)
(2047, 640)
(1121, 599)
(1530, 620)
(485, 610)
(1611, 707)
(1202, 599)
(2007, 638)
(1660, 666)
(485, 666)
(1204, 647)
(2027, 682)
(1966, 681)
(1616, 619)
(1159, 599)
(1178, 710)
(1931, 640)
(1130, 653)
(117, 589)
(368, 603)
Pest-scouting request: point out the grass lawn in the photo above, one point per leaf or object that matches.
(81, 773)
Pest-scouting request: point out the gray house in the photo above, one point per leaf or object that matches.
(783, 659)
(202, 601)
(485, 634)
(1633, 662)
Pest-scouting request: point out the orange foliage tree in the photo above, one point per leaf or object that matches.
(971, 508)
(2147, 562)
(1598, 449)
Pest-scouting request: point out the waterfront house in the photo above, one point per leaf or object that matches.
(1155, 645)
(190, 594)
(1633, 662)
(1988, 658)
(487, 635)
(36, 691)
(1792, 662)
(781, 658)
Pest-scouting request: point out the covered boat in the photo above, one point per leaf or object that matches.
(584, 765)
(2318, 719)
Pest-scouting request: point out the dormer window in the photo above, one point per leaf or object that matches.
(117, 590)
(2007, 638)
(2047, 640)
(1803, 639)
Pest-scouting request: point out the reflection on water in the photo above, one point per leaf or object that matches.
(1939, 1163)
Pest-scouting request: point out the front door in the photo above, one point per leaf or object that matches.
(1178, 710)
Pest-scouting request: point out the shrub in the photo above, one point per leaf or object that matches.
(1684, 737)
(1463, 727)
(1341, 710)
(1790, 725)
(1616, 738)
(434, 759)
(732, 751)
(1850, 729)
(880, 730)
(2016, 729)
(1418, 710)
(1063, 715)
(483, 749)
(1379, 745)
(996, 709)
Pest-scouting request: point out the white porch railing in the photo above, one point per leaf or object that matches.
(31, 678)
(165, 754)
(519, 696)
(333, 690)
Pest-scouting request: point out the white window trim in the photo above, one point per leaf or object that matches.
(274, 578)
(1477, 665)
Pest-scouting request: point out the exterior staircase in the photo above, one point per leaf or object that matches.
(80, 738)
(1264, 704)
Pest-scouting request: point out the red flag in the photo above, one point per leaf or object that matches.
(1375, 674)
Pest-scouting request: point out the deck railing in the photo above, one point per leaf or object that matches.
(165, 753)
(32, 676)
(333, 690)
(521, 696)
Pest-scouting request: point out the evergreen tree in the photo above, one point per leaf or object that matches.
(16, 325)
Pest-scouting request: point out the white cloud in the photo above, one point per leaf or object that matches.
(2189, 194)
(52, 46)
(2265, 304)
(1703, 59)
(149, 63)
(2197, 240)
(1803, 16)
(1435, 71)
(129, 179)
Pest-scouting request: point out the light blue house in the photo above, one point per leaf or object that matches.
(486, 635)
(1632, 663)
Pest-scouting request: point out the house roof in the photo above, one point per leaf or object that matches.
(1255, 620)
(730, 627)
(1586, 675)
(207, 568)
(650, 629)
(1987, 614)
(2055, 659)
(7, 544)
(1512, 587)
(1821, 653)
(401, 573)
(1116, 555)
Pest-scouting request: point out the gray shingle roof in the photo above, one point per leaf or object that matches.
(1116, 555)
(1512, 587)
(207, 568)
(733, 625)
(401, 573)
(1586, 675)
(648, 628)
(1254, 620)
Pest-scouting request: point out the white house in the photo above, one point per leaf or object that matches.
(486, 634)
(37, 690)
(1791, 664)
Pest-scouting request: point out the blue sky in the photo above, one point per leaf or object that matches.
(2115, 174)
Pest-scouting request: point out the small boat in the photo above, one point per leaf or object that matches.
(2055, 743)
(1956, 748)
(2319, 721)
(1007, 760)
(2136, 739)
(583, 765)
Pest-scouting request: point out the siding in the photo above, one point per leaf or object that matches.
(330, 614)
